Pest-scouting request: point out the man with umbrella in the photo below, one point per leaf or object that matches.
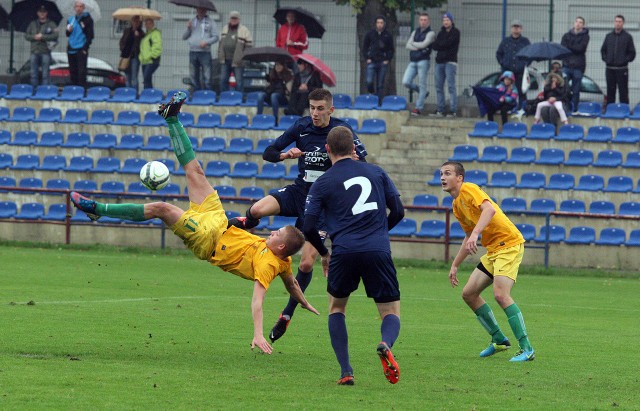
(80, 34)
(40, 32)
(201, 33)
(292, 35)
(506, 56)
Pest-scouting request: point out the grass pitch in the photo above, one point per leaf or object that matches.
(116, 329)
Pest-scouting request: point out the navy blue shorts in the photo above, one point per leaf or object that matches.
(376, 270)
(291, 200)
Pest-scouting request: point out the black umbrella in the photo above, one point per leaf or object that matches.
(545, 50)
(25, 11)
(205, 4)
(267, 54)
(314, 28)
(4, 19)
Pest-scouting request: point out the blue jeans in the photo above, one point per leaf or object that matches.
(147, 73)
(225, 71)
(132, 72)
(276, 99)
(575, 76)
(420, 69)
(200, 65)
(38, 61)
(446, 71)
(376, 72)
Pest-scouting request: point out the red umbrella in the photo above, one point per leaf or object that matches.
(326, 74)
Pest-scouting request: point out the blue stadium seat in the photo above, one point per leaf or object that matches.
(7, 182)
(252, 192)
(49, 115)
(627, 135)
(180, 170)
(528, 231)
(351, 121)
(97, 94)
(30, 211)
(71, 93)
(590, 109)
(503, 179)
(235, 121)
(80, 217)
(231, 214)
(128, 118)
(132, 165)
(45, 92)
(513, 204)
(633, 160)
(513, 130)
(6, 160)
(170, 189)
(542, 205)
(4, 113)
(619, 184)
(104, 141)
(23, 114)
(75, 116)
(634, 239)
(24, 138)
(85, 185)
(158, 143)
(465, 153)
(123, 95)
(478, 177)
(341, 100)
(56, 212)
(556, 234)
(280, 221)
(542, 131)
(561, 181)
(114, 187)
(617, 111)
(456, 232)
(425, 200)
(244, 169)
(80, 164)
(101, 117)
(629, 208)
(30, 182)
(573, 206)
(57, 184)
(187, 119)
(230, 98)
(579, 157)
(26, 162)
(262, 122)
(431, 229)
(171, 92)
(551, 156)
(373, 126)
(393, 103)
(251, 99)
(522, 155)
(217, 169)
(447, 201)
(77, 140)
(137, 187)
(19, 92)
(212, 145)
(150, 96)
(202, 98)
(532, 180)
(635, 115)
(3, 89)
(54, 163)
(107, 165)
(365, 102)
(570, 132)
(581, 235)
(405, 228)
(5, 137)
(208, 120)
(612, 236)
(608, 158)
(602, 207)
(293, 172)
(226, 191)
(590, 182)
(152, 119)
(599, 134)
(130, 142)
(435, 181)
(484, 129)
(170, 163)
(262, 145)
(494, 154)
(239, 145)
(8, 209)
(286, 121)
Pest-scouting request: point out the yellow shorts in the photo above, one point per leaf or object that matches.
(504, 262)
(202, 225)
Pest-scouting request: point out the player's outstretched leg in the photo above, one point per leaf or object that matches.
(390, 367)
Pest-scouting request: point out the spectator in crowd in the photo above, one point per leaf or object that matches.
(292, 36)
(508, 99)
(41, 32)
(419, 46)
(555, 95)
(377, 50)
(304, 82)
(150, 52)
(130, 48)
(201, 33)
(506, 56)
(234, 40)
(446, 44)
(279, 89)
(556, 67)
(617, 52)
(576, 40)
(80, 34)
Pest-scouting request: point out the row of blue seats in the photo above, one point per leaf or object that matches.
(542, 205)
(435, 229)
(153, 119)
(547, 131)
(548, 156)
(612, 111)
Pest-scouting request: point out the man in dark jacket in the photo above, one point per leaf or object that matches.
(446, 44)
(617, 52)
(506, 56)
(80, 33)
(41, 32)
(576, 40)
(304, 82)
(377, 50)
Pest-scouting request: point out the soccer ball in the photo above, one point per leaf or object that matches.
(155, 175)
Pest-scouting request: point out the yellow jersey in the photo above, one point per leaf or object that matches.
(499, 234)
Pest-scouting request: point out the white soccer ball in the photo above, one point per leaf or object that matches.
(155, 175)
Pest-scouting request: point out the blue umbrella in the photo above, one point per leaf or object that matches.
(545, 50)
(488, 99)
(4, 19)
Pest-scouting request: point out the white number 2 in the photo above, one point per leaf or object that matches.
(361, 206)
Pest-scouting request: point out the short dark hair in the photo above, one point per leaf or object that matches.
(458, 167)
(620, 16)
(294, 240)
(583, 20)
(321, 94)
(423, 13)
(340, 141)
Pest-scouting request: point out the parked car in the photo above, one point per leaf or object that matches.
(254, 77)
(99, 72)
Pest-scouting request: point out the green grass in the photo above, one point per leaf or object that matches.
(101, 328)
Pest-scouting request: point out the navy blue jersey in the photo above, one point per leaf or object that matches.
(311, 140)
(354, 197)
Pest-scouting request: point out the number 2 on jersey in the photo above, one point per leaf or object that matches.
(361, 205)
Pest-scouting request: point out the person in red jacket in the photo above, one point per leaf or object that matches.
(292, 36)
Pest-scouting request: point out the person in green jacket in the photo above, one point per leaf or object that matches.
(150, 52)
(41, 33)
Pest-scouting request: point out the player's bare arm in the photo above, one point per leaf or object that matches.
(460, 257)
(256, 310)
(294, 290)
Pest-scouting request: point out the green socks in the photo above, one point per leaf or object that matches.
(131, 212)
(180, 141)
(488, 320)
(517, 325)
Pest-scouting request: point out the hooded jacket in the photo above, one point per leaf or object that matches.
(577, 43)
(81, 36)
(296, 33)
(378, 46)
(447, 44)
(201, 30)
(618, 49)
(560, 92)
(243, 42)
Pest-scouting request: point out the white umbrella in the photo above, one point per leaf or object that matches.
(91, 6)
